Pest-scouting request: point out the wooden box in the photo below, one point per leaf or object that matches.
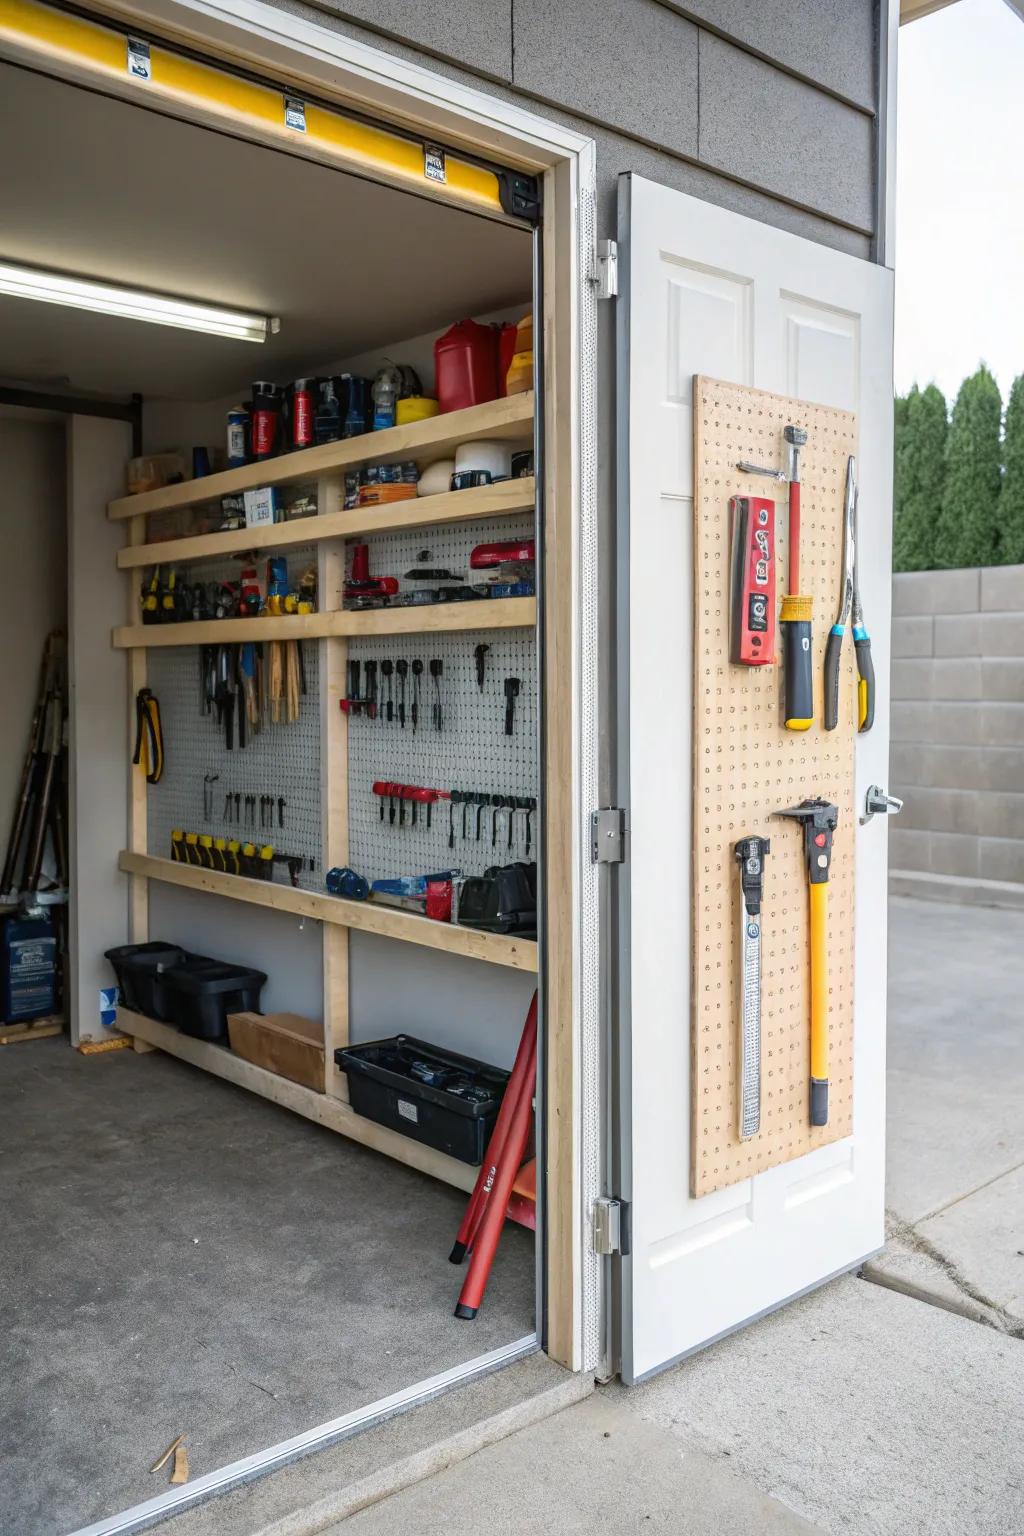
(284, 1043)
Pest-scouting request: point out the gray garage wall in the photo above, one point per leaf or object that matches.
(767, 108)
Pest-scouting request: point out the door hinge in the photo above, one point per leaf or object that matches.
(607, 1219)
(605, 272)
(608, 835)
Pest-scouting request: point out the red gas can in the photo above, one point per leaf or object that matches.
(466, 365)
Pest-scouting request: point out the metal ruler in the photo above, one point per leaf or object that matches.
(750, 856)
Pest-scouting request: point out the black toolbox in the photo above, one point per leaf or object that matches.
(201, 993)
(140, 970)
(447, 1101)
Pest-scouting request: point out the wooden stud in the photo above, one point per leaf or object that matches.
(485, 613)
(505, 499)
(510, 419)
(334, 811)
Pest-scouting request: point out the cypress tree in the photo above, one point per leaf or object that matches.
(1011, 497)
(967, 530)
(920, 477)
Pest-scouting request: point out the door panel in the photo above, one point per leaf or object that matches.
(707, 291)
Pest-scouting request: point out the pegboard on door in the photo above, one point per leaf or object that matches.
(471, 751)
(747, 766)
(282, 760)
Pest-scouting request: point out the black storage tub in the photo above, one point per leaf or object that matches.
(201, 993)
(140, 970)
(387, 1082)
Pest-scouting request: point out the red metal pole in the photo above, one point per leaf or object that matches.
(495, 1147)
(485, 1244)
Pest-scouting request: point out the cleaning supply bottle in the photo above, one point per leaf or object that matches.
(386, 389)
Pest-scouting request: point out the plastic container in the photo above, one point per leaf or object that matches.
(28, 969)
(466, 365)
(437, 1097)
(201, 993)
(494, 457)
(415, 408)
(139, 969)
(436, 478)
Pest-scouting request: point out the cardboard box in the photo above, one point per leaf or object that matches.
(284, 1043)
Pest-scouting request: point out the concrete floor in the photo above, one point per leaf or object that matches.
(180, 1256)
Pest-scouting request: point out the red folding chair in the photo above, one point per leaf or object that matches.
(480, 1229)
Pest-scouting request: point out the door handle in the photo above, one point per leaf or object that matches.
(878, 803)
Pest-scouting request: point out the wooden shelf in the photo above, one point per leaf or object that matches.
(501, 500)
(497, 948)
(436, 618)
(323, 1108)
(510, 419)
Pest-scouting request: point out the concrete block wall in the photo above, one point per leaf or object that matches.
(957, 757)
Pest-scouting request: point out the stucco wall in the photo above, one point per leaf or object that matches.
(958, 729)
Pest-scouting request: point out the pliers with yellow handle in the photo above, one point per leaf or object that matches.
(849, 601)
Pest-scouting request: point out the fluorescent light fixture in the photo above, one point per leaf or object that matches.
(132, 304)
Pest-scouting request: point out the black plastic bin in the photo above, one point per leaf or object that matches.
(140, 971)
(447, 1101)
(201, 993)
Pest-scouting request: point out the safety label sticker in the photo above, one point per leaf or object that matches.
(295, 113)
(138, 59)
(433, 163)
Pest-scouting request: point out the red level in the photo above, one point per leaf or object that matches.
(752, 639)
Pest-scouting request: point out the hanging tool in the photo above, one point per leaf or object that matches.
(369, 688)
(149, 736)
(209, 780)
(387, 700)
(750, 855)
(819, 819)
(849, 599)
(281, 803)
(512, 686)
(480, 657)
(402, 669)
(353, 704)
(417, 675)
(752, 628)
(437, 710)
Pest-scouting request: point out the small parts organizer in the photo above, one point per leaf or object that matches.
(752, 973)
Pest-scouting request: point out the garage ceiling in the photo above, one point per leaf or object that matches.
(105, 190)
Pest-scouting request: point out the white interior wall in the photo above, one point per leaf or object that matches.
(100, 749)
(33, 537)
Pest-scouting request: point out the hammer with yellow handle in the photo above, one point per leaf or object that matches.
(819, 819)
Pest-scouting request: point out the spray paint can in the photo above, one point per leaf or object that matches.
(304, 394)
(266, 420)
(238, 431)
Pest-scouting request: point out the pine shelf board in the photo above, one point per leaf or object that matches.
(323, 1108)
(437, 618)
(388, 922)
(510, 419)
(502, 500)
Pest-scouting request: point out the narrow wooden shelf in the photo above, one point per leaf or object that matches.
(496, 948)
(510, 419)
(437, 618)
(323, 1108)
(501, 500)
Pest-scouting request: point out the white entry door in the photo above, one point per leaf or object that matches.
(704, 291)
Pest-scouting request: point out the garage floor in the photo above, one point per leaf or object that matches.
(181, 1257)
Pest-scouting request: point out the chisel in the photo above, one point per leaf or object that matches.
(750, 855)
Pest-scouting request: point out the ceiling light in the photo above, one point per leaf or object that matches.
(132, 304)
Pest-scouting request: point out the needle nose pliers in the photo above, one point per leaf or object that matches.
(850, 601)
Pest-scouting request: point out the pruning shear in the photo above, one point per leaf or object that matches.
(849, 601)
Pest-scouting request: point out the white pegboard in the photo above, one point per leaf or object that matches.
(280, 760)
(471, 752)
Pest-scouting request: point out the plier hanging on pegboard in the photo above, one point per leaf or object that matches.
(849, 600)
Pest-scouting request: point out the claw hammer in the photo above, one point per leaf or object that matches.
(819, 819)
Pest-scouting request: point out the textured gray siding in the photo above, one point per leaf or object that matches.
(767, 108)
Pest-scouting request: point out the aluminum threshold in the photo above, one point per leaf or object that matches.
(176, 1500)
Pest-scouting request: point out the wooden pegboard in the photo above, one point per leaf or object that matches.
(747, 765)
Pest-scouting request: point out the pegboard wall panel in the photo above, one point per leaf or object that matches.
(471, 751)
(747, 766)
(282, 760)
